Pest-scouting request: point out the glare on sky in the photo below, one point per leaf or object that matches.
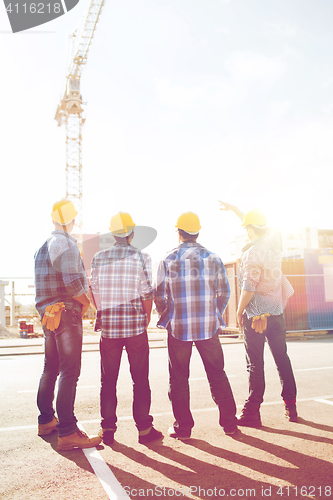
(187, 102)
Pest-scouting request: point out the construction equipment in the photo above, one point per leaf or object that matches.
(70, 111)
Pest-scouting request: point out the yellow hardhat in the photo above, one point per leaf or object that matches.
(121, 224)
(63, 212)
(189, 222)
(254, 217)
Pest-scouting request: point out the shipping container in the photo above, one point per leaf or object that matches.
(318, 266)
(310, 273)
(295, 312)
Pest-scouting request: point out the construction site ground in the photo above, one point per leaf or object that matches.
(280, 460)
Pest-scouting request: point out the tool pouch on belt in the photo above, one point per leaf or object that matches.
(52, 315)
(259, 323)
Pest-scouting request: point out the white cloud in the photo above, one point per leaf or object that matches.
(280, 108)
(211, 91)
(178, 96)
(251, 67)
(282, 29)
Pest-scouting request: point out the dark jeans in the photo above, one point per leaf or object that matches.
(62, 357)
(254, 345)
(137, 349)
(211, 354)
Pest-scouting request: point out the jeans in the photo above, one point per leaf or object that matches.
(63, 349)
(137, 349)
(211, 353)
(254, 345)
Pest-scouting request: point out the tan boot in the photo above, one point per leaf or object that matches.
(45, 429)
(77, 440)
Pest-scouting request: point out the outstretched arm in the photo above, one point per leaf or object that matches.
(228, 206)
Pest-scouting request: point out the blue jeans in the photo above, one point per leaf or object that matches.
(137, 349)
(254, 345)
(63, 349)
(211, 353)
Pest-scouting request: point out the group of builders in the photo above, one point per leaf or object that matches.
(190, 292)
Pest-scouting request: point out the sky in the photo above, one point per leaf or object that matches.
(187, 102)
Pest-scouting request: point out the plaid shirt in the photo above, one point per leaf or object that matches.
(59, 273)
(191, 292)
(118, 277)
(260, 271)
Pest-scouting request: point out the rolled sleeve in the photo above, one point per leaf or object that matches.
(160, 296)
(223, 289)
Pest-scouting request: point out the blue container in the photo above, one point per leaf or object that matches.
(318, 267)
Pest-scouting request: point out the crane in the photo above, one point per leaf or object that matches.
(70, 111)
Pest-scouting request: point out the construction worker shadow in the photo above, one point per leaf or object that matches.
(193, 474)
(304, 435)
(297, 468)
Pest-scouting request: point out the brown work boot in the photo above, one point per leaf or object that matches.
(77, 440)
(45, 429)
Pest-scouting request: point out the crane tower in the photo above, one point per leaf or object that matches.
(70, 111)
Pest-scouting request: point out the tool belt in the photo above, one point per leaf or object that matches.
(259, 323)
(52, 315)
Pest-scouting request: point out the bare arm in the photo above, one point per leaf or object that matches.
(228, 206)
(147, 307)
(84, 301)
(245, 298)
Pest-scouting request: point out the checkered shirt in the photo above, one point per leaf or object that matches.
(260, 272)
(59, 273)
(191, 292)
(118, 277)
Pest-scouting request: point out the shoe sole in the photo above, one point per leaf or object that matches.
(69, 447)
(180, 438)
(254, 425)
(231, 433)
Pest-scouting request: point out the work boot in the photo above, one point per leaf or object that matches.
(176, 434)
(249, 418)
(291, 412)
(78, 439)
(150, 436)
(107, 435)
(45, 429)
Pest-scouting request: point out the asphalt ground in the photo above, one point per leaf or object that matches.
(280, 460)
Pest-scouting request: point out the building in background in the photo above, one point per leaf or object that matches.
(291, 241)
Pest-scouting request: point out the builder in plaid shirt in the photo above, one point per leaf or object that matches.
(264, 294)
(61, 286)
(191, 294)
(120, 283)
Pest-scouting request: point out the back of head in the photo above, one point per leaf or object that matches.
(121, 225)
(254, 217)
(256, 220)
(63, 212)
(188, 225)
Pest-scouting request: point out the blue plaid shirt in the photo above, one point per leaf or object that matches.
(191, 292)
(119, 276)
(59, 273)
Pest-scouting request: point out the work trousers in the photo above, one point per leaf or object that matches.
(137, 349)
(63, 349)
(211, 353)
(254, 346)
